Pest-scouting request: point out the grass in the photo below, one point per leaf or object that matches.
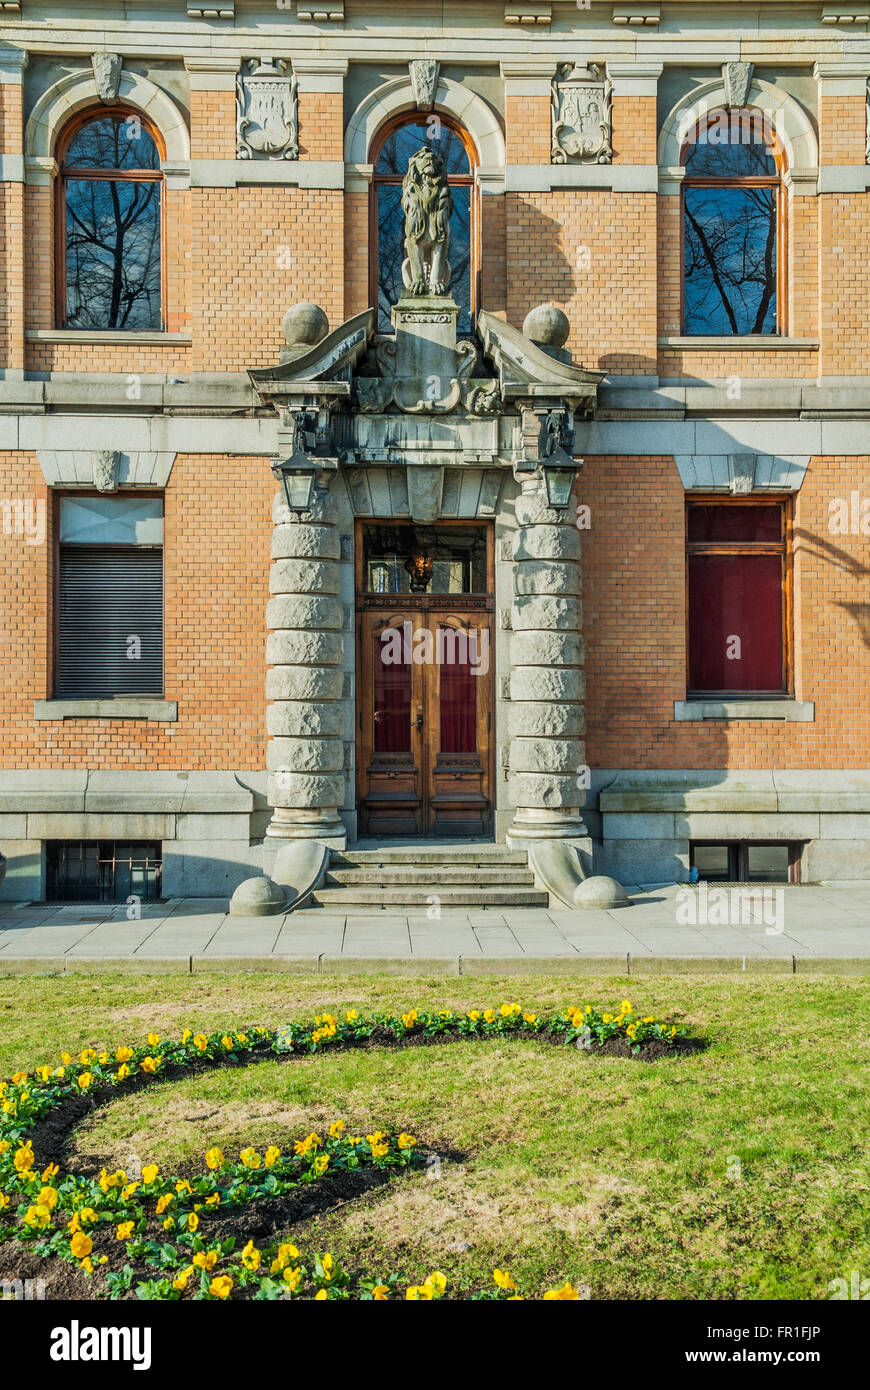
(737, 1173)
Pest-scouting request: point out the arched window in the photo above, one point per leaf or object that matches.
(110, 223)
(396, 143)
(733, 227)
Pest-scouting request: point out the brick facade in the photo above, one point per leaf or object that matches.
(245, 239)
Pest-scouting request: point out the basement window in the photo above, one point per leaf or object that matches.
(733, 861)
(102, 870)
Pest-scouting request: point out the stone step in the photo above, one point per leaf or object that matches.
(409, 855)
(429, 876)
(417, 897)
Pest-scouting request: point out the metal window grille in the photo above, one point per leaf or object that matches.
(103, 870)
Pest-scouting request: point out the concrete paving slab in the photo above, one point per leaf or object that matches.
(497, 941)
(823, 924)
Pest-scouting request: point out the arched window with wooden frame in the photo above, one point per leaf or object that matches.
(734, 227)
(395, 144)
(110, 223)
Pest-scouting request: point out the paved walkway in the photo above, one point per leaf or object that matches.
(807, 928)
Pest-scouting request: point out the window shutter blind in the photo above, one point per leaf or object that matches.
(107, 597)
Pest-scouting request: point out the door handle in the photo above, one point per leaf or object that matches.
(418, 722)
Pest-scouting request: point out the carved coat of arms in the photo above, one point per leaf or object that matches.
(266, 111)
(581, 102)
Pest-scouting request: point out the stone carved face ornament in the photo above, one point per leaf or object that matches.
(427, 204)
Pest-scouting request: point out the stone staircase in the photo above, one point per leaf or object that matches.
(463, 875)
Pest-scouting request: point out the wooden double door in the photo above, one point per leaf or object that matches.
(426, 716)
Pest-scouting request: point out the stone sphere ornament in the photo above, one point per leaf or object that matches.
(304, 326)
(258, 897)
(601, 892)
(547, 325)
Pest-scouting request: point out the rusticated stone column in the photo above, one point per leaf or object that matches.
(547, 718)
(303, 686)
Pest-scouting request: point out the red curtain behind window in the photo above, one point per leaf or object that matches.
(735, 622)
(458, 702)
(392, 701)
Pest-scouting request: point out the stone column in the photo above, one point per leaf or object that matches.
(304, 650)
(547, 717)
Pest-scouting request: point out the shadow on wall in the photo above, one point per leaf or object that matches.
(534, 242)
(820, 549)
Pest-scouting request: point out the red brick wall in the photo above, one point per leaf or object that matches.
(217, 533)
(593, 254)
(257, 250)
(634, 604)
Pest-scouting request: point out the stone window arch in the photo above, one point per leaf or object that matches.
(109, 225)
(397, 141)
(734, 225)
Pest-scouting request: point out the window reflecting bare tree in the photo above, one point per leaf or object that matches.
(112, 199)
(730, 228)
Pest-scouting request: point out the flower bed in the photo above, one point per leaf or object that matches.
(158, 1236)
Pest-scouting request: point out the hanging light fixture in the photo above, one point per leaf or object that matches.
(419, 567)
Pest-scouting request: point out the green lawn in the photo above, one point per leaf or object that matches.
(736, 1173)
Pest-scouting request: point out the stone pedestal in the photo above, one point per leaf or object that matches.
(547, 718)
(304, 650)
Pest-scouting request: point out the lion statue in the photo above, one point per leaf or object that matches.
(427, 205)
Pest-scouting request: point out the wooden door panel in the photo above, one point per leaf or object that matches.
(458, 723)
(425, 721)
(391, 735)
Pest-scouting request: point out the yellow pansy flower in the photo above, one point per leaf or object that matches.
(214, 1158)
(567, 1292)
(221, 1286)
(81, 1245)
(149, 1173)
